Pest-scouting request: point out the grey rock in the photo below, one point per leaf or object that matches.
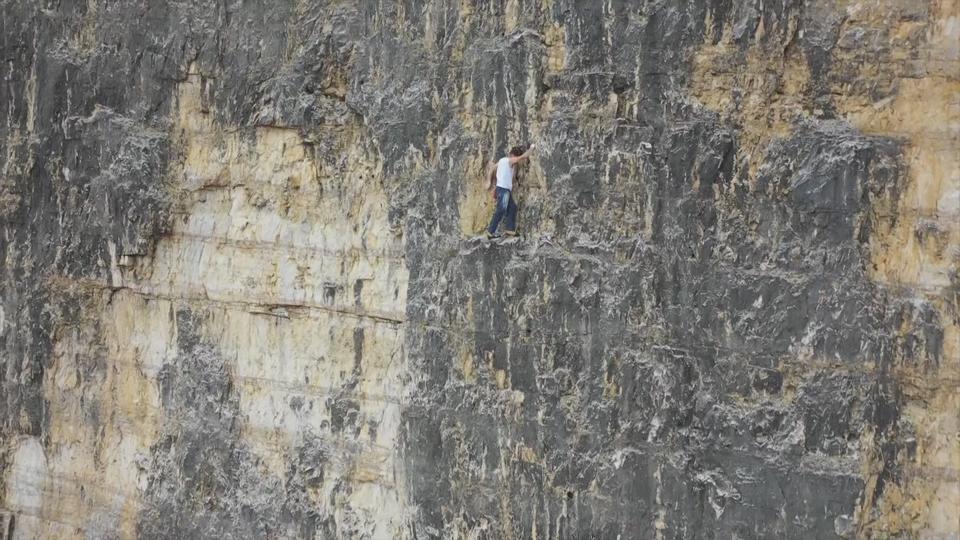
(685, 349)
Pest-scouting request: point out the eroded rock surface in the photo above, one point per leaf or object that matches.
(243, 292)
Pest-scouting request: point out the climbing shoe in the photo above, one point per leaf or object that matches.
(511, 234)
(491, 236)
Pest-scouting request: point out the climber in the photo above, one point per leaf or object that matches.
(502, 191)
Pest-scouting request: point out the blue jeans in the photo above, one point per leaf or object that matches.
(505, 207)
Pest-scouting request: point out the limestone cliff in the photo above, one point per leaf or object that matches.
(243, 293)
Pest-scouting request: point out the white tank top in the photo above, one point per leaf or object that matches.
(504, 174)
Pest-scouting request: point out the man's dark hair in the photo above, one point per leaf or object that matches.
(516, 151)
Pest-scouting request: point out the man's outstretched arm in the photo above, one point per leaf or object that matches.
(517, 159)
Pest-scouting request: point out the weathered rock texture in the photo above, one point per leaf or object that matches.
(243, 293)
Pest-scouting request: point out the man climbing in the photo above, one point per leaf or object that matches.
(503, 191)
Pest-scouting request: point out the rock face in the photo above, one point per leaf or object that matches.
(243, 293)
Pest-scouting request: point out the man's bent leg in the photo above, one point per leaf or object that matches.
(499, 210)
(511, 215)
